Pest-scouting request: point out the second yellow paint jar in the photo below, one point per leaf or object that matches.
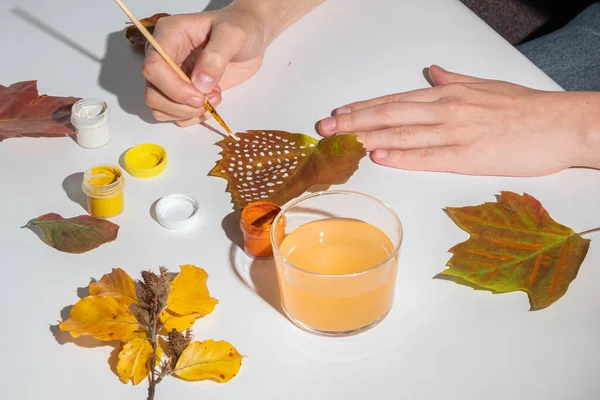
(104, 186)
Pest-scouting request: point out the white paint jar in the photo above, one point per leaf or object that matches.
(90, 119)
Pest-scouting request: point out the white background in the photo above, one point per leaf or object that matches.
(441, 340)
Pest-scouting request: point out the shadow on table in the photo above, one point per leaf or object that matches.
(121, 72)
(258, 274)
(86, 341)
(72, 187)
(121, 66)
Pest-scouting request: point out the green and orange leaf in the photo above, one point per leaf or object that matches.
(515, 245)
(75, 235)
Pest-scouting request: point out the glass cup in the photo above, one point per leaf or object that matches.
(337, 260)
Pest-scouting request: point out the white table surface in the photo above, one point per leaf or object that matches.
(441, 340)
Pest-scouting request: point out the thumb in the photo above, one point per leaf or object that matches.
(439, 76)
(225, 43)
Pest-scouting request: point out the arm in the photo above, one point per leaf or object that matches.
(476, 126)
(219, 49)
(276, 15)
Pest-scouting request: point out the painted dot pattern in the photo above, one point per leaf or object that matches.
(261, 162)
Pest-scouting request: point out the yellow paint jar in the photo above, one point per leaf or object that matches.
(104, 185)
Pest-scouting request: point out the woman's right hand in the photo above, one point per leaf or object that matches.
(218, 50)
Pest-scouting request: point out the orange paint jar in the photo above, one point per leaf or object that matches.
(104, 186)
(256, 223)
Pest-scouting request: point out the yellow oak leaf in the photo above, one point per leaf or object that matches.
(188, 296)
(103, 317)
(178, 322)
(217, 361)
(134, 361)
(117, 284)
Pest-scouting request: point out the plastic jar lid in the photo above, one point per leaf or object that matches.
(146, 160)
(177, 211)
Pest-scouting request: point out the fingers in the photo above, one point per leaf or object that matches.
(440, 76)
(420, 95)
(407, 137)
(441, 159)
(158, 101)
(226, 41)
(381, 116)
(202, 114)
(159, 73)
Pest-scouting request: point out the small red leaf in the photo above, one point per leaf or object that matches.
(133, 34)
(23, 112)
(75, 235)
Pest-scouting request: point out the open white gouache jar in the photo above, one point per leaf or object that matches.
(90, 119)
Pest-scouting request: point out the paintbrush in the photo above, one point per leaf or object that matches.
(172, 63)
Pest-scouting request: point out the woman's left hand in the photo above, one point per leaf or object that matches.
(475, 126)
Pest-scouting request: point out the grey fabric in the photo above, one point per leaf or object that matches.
(570, 55)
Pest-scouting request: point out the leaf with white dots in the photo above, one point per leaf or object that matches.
(279, 166)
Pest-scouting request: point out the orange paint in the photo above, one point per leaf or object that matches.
(514, 268)
(536, 266)
(516, 245)
(511, 227)
(256, 222)
(485, 264)
(492, 256)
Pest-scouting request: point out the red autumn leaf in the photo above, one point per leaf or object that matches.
(23, 112)
(75, 235)
(516, 245)
(133, 34)
(279, 166)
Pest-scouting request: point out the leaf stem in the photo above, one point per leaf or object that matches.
(154, 380)
(589, 231)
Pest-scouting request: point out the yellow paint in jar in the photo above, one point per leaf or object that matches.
(104, 185)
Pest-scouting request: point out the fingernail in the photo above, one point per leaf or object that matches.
(381, 153)
(343, 110)
(214, 101)
(328, 123)
(195, 102)
(203, 83)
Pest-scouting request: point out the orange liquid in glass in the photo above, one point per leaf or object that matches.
(337, 247)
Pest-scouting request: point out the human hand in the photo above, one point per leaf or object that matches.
(217, 50)
(475, 126)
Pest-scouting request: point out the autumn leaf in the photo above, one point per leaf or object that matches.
(103, 317)
(151, 317)
(75, 235)
(178, 322)
(218, 361)
(134, 361)
(188, 299)
(279, 166)
(515, 245)
(133, 34)
(117, 284)
(23, 112)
